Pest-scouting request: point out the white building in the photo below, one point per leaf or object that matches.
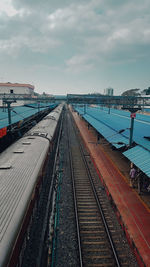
(109, 91)
(16, 88)
(9, 89)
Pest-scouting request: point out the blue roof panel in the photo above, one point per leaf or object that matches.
(109, 126)
(120, 119)
(140, 157)
(21, 112)
(107, 132)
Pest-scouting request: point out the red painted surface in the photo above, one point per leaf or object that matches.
(132, 213)
(3, 132)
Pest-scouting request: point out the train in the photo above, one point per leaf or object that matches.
(21, 173)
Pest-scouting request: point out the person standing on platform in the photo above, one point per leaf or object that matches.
(132, 176)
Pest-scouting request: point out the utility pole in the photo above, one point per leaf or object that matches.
(109, 107)
(84, 108)
(9, 113)
(38, 107)
(9, 102)
(132, 116)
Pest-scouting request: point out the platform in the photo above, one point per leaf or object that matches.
(132, 212)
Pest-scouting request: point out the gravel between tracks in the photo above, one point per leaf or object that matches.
(67, 247)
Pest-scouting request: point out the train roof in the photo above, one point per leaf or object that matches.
(20, 165)
(46, 127)
(19, 168)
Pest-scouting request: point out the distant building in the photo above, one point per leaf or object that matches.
(46, 95)
(109, 91)
(16, 88)
(9, 89)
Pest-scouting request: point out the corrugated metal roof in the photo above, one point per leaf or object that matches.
(110, 134)
(21, 112)
(16, 85)
(120, 119)
(140, 157)
(125, 113)
(109, 124)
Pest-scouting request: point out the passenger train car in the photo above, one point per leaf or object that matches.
(21, 173)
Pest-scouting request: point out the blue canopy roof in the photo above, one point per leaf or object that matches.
(116, 121)
(106, 131)
(22, 112)
(109, 126)
(140, 157)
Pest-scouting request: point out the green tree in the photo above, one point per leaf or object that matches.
(131, 92)
(146, 91)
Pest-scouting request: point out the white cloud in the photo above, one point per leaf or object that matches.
(118, 34)
(79, 63)
(42, 45)
(14, 45)
(62, 18)
(93, 29)
(121, 34)
(7, 8)
(79, 35)
(76, 17)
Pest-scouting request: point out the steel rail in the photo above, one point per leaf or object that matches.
(75, 202)
(98, 202)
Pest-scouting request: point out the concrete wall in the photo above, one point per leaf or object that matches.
(16, 90)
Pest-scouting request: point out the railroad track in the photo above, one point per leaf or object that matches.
(99, 244)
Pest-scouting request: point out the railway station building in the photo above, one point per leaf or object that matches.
(8, 89)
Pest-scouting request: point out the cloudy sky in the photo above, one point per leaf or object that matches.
(75, 46)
